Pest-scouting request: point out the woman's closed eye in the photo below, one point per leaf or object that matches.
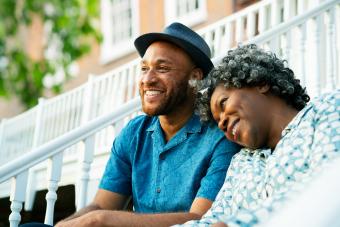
(223, 102)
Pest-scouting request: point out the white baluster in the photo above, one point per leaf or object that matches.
(134, 81)
(19, 184)
(130, 83)
(227, 41)
(239, 29)
(77, 118)
(302, 51)
(275, 13)
(53, 118)
(191, 5)
(121, 92)
(274, 44)
(87, 100)
(36, 141)
(2, 138)
(85, 169)
(217, 42)
(262, 19)
(251, 25)
(288, 47)
(315, 77)
(301, 6)
(287, 9)
(31, 190)
(208, 37)
(331, 52)
(54, 171)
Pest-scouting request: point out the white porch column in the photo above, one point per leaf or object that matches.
(87, 159)
(54, 170)
(17, 197)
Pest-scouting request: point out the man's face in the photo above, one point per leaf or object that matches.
(242, 114)
(165, 71)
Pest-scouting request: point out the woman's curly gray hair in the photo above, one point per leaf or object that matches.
(249, 66)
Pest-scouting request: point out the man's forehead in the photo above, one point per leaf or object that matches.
(159, 60)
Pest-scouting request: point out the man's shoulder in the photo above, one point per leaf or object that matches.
(211, 130)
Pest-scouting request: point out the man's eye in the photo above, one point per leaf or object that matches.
(144, 69)
(163, 69)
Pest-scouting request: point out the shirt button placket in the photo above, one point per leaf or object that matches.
(158, 182)
(161, 158)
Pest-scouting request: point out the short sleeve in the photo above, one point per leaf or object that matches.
(117, 174)
(212, 182)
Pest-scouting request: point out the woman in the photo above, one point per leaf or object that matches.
(258, 103)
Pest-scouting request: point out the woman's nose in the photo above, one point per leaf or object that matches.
(223, 122)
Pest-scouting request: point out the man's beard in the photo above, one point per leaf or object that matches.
(171, 102)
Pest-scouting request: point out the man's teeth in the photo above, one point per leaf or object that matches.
(152, 92)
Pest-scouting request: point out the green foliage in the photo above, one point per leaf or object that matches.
(70, 26)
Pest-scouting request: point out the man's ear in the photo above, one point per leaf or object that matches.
(263, 88)
(196, 74)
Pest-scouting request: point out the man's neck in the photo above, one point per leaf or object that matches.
(173, 122)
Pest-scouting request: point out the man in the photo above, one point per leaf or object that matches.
(258, 104)
(166, 160)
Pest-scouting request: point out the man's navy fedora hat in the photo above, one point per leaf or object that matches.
(182, 36)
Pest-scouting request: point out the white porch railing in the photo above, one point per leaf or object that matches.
(76, 122)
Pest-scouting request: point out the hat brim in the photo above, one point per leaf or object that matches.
(200, 59)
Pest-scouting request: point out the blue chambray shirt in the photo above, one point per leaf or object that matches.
(167, 177)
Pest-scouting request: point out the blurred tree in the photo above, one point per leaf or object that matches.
(69, 28)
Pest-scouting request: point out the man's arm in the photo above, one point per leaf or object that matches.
(121, 218)
(104, 200)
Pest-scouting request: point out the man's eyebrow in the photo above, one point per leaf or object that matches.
(159, 61)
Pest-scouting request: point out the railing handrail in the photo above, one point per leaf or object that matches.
(300, 19)
(57, 145)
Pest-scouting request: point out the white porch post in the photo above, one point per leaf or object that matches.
(30, 194)
(54, 170)
(85, 169)
(87, 158)
(19, 184)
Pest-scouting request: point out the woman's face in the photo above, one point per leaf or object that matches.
(241, 115)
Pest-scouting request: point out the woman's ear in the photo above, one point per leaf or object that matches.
(263, 88)
(196, 74)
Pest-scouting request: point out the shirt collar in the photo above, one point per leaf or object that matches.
(193, 125)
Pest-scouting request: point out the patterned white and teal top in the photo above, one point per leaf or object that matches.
(259, 181)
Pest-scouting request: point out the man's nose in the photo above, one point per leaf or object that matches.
(149, 77)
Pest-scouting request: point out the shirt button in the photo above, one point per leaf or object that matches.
(161, 157)
(158, 190)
